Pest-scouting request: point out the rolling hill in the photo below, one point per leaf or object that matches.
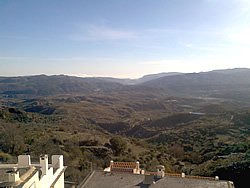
(43, 85)
(141, 80)
(206, 84)
(194, 123)
(214, 83)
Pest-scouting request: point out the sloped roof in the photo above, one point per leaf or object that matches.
(125, 180)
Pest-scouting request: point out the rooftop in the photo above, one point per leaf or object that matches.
(24, 172)
(27, 174)
(127, 180)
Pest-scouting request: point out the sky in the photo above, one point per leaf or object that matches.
(122, 38)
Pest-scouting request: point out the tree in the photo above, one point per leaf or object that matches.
(177, 151)
(118, 145)
(13, 139)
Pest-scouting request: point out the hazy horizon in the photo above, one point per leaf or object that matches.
(96, 76)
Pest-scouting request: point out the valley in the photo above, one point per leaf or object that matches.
(194, 123)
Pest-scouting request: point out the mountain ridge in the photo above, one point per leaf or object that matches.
(205, 83)
(203, 132)
(191, 84)
(145, 78)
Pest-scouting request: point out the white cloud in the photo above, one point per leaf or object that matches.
(185, 44)
(12, 36)
(102, 75)
(188, 45)
(15, 58)
(82, 75)
(159, 62)
(94, 32)
(56, 59)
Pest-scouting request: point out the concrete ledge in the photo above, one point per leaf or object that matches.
(86, 180)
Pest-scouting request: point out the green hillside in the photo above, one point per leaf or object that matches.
(194, 129)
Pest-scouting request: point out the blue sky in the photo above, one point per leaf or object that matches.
(122, 38)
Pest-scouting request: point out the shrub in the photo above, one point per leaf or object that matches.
(118, 145)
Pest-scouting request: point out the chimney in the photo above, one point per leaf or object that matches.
(149, 179)
(44, 163)
(137, 165)
(57, 161)
(142, 171)
(111, 164)
(13, 175)
(160, 171)
(24, 160)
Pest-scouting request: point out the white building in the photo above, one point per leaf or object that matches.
(27, 175)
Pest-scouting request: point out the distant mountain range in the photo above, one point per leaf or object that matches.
(204, 82)
(196, 123)
(43, 85)
(210, 84)
(143, 79)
